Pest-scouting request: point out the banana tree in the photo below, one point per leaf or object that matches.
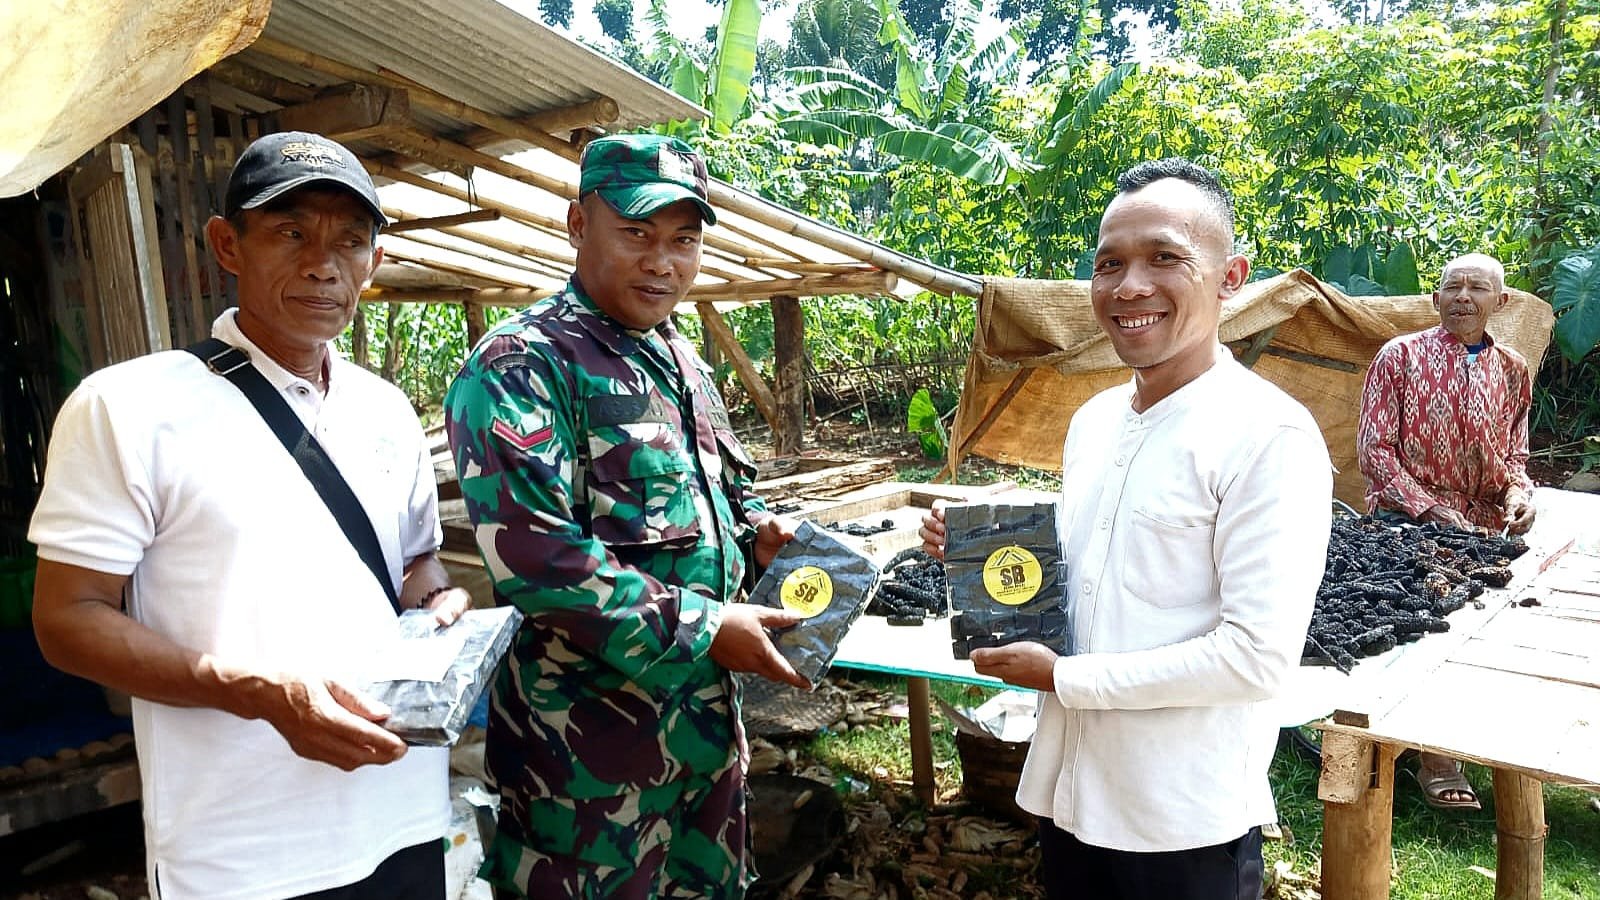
(721, 85)
(931, 114)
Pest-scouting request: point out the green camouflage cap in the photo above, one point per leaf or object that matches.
(638, 174)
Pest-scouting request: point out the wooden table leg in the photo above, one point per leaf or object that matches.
(1357, 790)
(1519, 836)
(918, 717)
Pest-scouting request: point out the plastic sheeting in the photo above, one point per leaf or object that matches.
(1038, 341)
(81, 69)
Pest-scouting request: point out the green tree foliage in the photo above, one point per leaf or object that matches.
(839, 34)
(616, 19)
(556, 12)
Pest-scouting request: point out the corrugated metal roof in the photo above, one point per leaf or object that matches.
(482, 53)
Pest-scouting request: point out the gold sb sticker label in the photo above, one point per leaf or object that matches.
(1012, 575)
(808, 590)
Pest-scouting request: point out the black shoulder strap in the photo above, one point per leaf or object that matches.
(232, 363)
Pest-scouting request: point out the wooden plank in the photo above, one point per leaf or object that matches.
(1346, 768)
(189, 230)
(1357, 836)
(208, 201)
(866, 501)
(754, 385)
(1496, 718)
(404, 223)
(826, 482)
(1549, 665)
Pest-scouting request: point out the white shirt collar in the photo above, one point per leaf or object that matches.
(226, 329)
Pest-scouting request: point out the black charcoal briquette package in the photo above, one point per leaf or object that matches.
(444, 669)
(1006, 579)
(826, 581)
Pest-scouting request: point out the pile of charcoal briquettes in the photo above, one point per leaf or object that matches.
(1385, 585)
(912, 589)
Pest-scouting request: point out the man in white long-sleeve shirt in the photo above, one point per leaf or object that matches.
(1195, 516)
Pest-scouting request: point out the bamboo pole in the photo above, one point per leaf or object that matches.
(478, 251)
(406, 223)
(757, 388)
(507, 296)
(934, 278)
(816, 268)
(259, 84)
(416, 139)
(1519, 836)
(452, 269)
(870, 283)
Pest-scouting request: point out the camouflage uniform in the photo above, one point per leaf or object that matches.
(612, 505)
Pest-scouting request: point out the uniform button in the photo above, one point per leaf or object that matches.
(1122, 460)
(1087, 586)
(1104, 524)
(301, 390)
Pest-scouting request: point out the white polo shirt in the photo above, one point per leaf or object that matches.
(161, 469)
(1194, 535)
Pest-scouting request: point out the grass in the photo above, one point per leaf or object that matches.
(1434, 851)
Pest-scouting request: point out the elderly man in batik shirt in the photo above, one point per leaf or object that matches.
(1444, 435)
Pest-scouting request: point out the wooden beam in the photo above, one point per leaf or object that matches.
(789, 373)
(1357, 836)
(406, 222)
(406, 153)
(258, 83)
(602, 111)
(759, 393)
(356, 113)
(1520, 832)
(421, 95)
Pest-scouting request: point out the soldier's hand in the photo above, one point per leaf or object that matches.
(932, 531)
(1519, 516)
(1025, 664)
(327, 722)
(742, 644)
(771, 535)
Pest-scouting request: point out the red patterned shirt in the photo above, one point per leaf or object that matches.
(1438, 429)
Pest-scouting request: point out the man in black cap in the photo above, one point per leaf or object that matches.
(187, 560)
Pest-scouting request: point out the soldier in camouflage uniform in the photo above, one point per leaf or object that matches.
(612, 505)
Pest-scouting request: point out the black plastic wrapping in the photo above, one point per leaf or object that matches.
(825, 579)
(1005, 575)
(433, 713)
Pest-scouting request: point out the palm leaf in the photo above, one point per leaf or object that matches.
(1072, 116)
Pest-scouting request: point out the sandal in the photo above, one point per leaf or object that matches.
(1435, 784)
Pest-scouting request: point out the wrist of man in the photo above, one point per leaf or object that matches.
(426, 599)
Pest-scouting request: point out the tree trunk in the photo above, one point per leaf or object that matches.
(789, 374)
(1544, 234)
(358, 338)
(391, 345)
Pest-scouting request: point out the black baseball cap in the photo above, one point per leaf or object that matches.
(275, 164)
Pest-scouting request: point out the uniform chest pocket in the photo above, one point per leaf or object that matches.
(1170, 565)
(641, 486)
